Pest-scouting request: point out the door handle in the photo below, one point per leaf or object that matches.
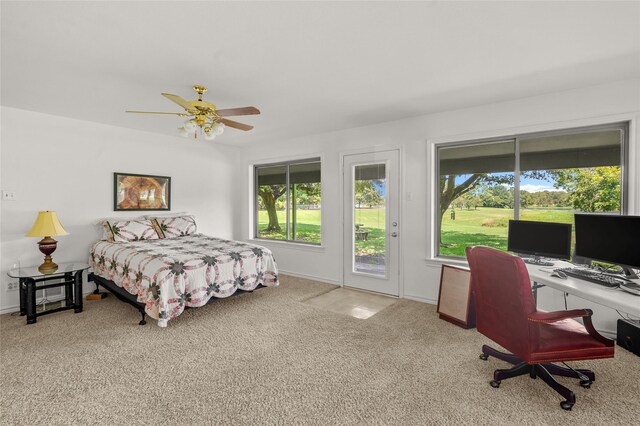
(394, 234)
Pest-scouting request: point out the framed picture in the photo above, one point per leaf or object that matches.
(141, 192)
(455, 300)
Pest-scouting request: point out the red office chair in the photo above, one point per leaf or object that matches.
(506, 313)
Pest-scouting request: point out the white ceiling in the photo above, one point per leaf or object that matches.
(309, 66)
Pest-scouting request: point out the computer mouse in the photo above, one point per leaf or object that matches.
(559, 274)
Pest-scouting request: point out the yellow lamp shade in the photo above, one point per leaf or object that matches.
(47, 225)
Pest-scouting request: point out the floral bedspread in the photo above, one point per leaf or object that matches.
(168, 275)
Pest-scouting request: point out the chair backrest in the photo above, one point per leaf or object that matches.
(502, 291)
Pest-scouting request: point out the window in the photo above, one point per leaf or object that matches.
(288, 201)
(543, 177)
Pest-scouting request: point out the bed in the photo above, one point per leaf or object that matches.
(162, 277)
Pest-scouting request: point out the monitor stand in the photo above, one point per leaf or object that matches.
(537, 260)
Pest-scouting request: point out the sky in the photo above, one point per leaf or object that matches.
(526, 184)
(537, 185)
(381, 187)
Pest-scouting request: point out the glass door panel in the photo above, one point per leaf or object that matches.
(369, 206)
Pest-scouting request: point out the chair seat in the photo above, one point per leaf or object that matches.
(566, 340)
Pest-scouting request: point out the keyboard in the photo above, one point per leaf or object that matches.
(593, 276)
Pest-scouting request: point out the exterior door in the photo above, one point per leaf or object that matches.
(371, 221)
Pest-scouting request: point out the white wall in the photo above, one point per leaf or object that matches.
(56, 163)
(416, 136)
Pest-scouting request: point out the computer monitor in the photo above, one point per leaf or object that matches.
(540, 239)
(610, 239)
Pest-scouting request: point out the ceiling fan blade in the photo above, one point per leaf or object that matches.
(177, 99)
(230, 112)
(182, 114)
(236, 125)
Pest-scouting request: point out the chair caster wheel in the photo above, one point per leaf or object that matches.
(586, 383)
(143, 322)
(484, 357)
(495, 383)
(566, 405)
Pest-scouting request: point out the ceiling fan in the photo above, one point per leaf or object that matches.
(205, 118)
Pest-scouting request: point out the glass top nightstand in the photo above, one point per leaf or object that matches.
(32, 272)
(71, 276)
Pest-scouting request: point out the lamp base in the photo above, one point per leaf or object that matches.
(48, 266)
(47, 245)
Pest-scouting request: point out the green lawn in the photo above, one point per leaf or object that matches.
(484, 226)
(308, 228)
(488, 226)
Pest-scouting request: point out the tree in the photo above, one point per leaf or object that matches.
(526, 198)
(308, 193)
(269, 194)
(449, 190)
(591, 189)
(367, 193)
(496, 196)
(305, 193)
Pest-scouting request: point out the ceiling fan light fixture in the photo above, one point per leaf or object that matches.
(209, 136)
(217, 128)
(190, 126)
(183, 132)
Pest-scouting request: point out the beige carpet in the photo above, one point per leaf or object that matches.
(269, 358)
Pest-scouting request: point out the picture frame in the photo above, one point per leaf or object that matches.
(136, 192)
(455, 298)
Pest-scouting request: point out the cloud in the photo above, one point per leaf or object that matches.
(538, 188)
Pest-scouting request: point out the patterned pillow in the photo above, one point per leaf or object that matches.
(171, 227)
(130, 230)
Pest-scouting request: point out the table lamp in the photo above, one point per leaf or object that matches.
(46, 225)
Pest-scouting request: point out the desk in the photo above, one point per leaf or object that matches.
(610, 297)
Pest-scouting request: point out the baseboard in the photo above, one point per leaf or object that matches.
(609, 334)
(420, 299)
(336, 282)
(309, 277)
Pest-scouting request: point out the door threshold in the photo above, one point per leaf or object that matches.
(375, 293)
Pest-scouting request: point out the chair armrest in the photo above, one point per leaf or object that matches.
(548, 317)
(551, 317)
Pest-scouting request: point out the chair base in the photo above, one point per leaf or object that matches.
(544, 371)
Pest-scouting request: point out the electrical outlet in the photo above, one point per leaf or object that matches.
(8, 195)
(12, 286)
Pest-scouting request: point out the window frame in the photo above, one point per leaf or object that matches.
(256, 208)
(622, 126)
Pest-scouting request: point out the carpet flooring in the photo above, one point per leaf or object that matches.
(270, 358)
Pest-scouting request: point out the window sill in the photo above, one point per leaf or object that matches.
(286, 244)
(439, 261)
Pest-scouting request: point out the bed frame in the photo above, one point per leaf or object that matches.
(129, 298)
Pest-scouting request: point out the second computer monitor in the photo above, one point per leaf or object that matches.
(609, 238)
(540, 239)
